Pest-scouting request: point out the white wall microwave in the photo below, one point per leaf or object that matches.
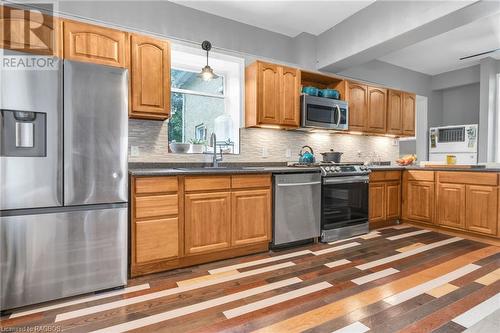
(324, 113)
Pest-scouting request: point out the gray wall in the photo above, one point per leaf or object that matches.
(173, 21)
(461, 105)
(400, 78)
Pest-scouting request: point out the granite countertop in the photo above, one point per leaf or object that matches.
(416, 167)
(172, 169)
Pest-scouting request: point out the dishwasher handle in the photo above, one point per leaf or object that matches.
(298, 184)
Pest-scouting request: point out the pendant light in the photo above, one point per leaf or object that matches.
(207, 73)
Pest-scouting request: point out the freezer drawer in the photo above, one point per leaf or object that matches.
(54, 255)
(297, 207)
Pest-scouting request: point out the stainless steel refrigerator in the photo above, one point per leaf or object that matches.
(63, 181)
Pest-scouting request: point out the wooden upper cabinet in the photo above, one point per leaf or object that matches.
(150, 78)
(272, 95)
(290, 98)
(377, 110)
(251, 217)
(268, 90)
(394, 112)
(408, 120)
(207, 222)
(482, 209)
(450, 207)
(90, 43)
(357, 96)
(29, 31)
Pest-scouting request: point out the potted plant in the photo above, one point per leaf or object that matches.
(197, 145)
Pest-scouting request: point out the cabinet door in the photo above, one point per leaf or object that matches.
(409, 104)
(290, 97)
(150, 77)
(90, 43)
(358, 106)
(268, 94)
(28, 31)
(377, 110)
(394, 112)
(420, 203)
(482, 206)
(156, 239)
(251, 217)
(393, 200)
(450, 207)
(207, 222)
(377, 202)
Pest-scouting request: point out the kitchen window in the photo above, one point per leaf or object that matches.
(200, 108)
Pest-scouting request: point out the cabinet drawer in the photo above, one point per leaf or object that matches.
(377, 176)
(158, 205)
(249, 181)
(419, 175)
(473, 178)
(155, 185)
(156, 239)
(207, 183)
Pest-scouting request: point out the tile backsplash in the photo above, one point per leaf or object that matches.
(151, 138)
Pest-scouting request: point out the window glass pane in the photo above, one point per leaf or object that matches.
(196, 117)
(190, 81)
(175, 127)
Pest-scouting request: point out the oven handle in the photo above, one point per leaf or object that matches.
(346, 180)
(298, 184)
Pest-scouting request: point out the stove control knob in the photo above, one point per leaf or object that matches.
(327, 169)
(337, 169)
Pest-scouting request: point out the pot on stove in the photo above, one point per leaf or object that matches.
(332, 156)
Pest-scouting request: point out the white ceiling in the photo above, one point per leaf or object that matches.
(290, 17)
(441, 53)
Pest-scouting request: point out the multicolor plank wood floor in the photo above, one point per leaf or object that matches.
(397, 279)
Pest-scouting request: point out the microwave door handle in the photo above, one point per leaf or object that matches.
(338, 115)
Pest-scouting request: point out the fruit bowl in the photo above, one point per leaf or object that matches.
(406, 160)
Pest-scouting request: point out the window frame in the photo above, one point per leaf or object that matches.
(232, 73)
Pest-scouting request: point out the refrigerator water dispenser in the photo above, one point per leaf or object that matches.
(23, 134)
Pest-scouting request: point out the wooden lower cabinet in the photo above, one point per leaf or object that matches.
(376, 202)
(450, 205)
(179, 221)
(393, 200)
(251, 216)
(420, 201)
(482, 209)
(207, 222)
(157, 239)
(384, 196)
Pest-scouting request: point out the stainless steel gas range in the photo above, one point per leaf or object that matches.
(344, 200)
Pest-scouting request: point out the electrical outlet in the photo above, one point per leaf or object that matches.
(134, 151)
(288, 153)
(265, 152)
(395, 142)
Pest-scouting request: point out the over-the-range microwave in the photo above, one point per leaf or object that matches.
(324, 113)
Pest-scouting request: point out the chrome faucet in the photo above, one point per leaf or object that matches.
(215, 159)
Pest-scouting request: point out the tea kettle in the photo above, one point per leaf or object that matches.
(306, 157)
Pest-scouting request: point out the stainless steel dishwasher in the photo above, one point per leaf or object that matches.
(297, 207)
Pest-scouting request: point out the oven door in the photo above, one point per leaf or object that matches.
(319, 112)
(344, 202)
